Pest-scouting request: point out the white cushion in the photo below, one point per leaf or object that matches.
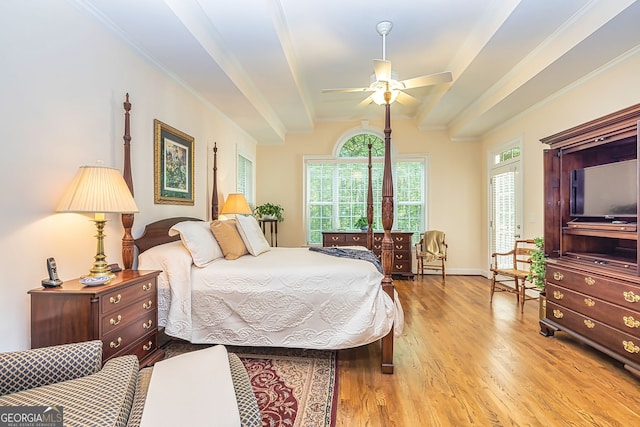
(252, 235)
(197, 237)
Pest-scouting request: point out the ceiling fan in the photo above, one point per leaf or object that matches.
(384, 82)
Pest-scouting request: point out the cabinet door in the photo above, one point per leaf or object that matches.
(552, 217)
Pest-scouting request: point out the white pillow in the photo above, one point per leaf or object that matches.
(197, 237)
(252, 235)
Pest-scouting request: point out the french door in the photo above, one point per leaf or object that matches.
(506, 208)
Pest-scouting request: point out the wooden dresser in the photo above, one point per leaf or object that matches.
(123, 314)
(593, 276)
(401, 246)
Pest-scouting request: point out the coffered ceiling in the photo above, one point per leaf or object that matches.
(264, 63)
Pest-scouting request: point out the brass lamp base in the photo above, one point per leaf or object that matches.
(100, 267)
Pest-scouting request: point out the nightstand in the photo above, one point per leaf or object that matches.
(123, 314)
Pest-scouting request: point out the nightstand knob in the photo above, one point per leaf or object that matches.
(147, 325)
(147, 305)
(114, 345)
(116, 300)
(114, 321)
(146, 287)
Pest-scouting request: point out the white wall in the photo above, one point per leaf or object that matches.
(63, 80)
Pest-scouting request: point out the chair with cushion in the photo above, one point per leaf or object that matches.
(513, 266)
(431, 253)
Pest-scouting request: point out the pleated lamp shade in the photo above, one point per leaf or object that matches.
(98, 189)
(236, 204)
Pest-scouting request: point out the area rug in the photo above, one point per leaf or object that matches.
(294, 387)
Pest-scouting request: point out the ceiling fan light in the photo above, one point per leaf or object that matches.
(379, 96)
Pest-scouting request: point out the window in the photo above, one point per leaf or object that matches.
(336, 189)
(245, 178)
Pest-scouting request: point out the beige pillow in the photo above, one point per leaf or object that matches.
(252, 235)
(228, 238)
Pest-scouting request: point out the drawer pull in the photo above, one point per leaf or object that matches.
(589, 302)
(335, 238)
(558, 314)
(558, 295)
(147, 305)
(114, 345)
(631, 297)
(146, 287)
(589, 280)
(398, 247)
(148, 346)
(631, 322)
(589, 324)
(147, 325)
(399, 256)
(114, 321)
(557, 275)
(630, 347)
(399, 239)
(356, 238)
(116, 300)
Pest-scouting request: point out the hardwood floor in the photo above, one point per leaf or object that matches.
(463, 362)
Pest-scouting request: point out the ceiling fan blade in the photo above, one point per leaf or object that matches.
(431, 79)
(368, 100)
(347, 89)
(406, 99)
(382, 69)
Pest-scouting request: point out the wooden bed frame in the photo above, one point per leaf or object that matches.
(156, 233)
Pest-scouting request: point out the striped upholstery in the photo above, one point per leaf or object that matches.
(144, 377)
(22, 370)
(102, 399)
(247, 404)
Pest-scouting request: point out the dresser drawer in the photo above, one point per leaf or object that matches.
(124, 315)
(356, 239)
(621, 318)
(123, 296)
(618, 292)
(619, 342)
(123, 337)
(142, 348)
(333, 239)
(402, 267)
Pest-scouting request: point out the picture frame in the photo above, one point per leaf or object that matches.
(173, 165)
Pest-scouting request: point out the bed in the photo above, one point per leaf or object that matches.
(281, 297)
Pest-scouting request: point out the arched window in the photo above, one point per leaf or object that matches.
(336, 188)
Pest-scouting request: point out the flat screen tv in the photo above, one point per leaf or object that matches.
(605, 191)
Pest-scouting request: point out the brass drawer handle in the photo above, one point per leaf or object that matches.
(589, 302)
(399, 239)
(558, 314)
(399, 247)
(116, 300)
(114, 345)
(377, 239)
(335, 238)
(630, 347)
(589, 324)
(147, 325)
(147, 305)
(399, 256)
(148, 346)
(114, 321)
(631, 322)
(557, 275)
(146, 287)
(558, 295)
(631, 297)
(398, 267)
(356, 238)
(589, 280)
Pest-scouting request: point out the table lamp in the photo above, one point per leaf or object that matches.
(98, 190)
(236, 204)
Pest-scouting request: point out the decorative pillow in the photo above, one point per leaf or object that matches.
(196, 236)
(229, 239)
(252, 235)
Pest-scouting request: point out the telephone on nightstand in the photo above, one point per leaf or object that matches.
(53, 279)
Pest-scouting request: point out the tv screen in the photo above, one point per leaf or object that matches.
(608, 190)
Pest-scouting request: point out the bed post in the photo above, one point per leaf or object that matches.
(214, 190)
(127, 219)
(387, 241)
(370, 204)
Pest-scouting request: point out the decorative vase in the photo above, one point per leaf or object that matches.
(268, 217)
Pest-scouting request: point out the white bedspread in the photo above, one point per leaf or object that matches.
(286, 297)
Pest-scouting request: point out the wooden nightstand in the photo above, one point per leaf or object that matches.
(123, 314)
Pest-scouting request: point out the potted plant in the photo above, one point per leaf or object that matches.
(537, 273)
(361, 223)
(269, 211)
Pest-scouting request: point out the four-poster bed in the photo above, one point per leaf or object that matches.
(380, 311)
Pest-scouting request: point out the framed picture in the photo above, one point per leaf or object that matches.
(173, 165)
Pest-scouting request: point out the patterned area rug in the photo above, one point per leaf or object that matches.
(293, 387)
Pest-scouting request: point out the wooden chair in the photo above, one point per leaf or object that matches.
(431, 253)
(516, 271)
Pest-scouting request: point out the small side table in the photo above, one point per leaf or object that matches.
(273, 230)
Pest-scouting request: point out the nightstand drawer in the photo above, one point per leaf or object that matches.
(124, 315)
(123, 296)
(125, 336)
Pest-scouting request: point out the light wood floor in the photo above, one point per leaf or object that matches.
(463, 362)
